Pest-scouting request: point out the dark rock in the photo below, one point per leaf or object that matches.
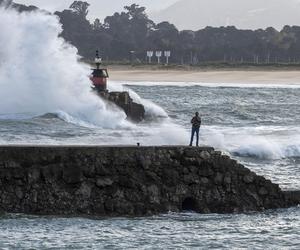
(191, 179)
(186, 170)
(12, 164)
(227, 179)
(89, 170)
(154, 194)
(205, 155)
(84, 190)
(19, 193)
(134, 111)
(263, 191)
(109, 206)
(51, 173)
(204, 180)
(292, 197)
(217, 153)
(18, 174)
(34, 175)
(104, 182)
(125, 181)
(137, 114)
(72, 175)
(102, 170)
(205, 170)
(193, 169)
(152, 176)
(249, 178)
(145, 162)
(191, 152)
(218, 178)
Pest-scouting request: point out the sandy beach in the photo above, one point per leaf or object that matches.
(207, 76)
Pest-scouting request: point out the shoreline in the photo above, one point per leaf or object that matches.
(230, 75)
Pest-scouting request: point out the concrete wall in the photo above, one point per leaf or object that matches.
(114, 181)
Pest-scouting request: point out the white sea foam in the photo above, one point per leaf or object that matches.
(151, 108)
(261, 149)
(256, 142)
(40, 73)
(268, 151)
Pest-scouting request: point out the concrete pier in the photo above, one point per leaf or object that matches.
(131, 181)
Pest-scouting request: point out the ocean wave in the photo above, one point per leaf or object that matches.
(62, 85)
(84, 120)
(48, 116)
(65, 117)
(153, 111)
(268, 151)
(74, 120)
(260, 142)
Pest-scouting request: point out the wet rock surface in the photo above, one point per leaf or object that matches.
(135, 112)
(131, 181)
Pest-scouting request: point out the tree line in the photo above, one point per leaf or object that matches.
(131, 33)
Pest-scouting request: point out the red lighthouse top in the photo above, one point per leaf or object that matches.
(99, 75)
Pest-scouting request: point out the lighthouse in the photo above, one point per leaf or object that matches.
(99, 75)
(135, 111)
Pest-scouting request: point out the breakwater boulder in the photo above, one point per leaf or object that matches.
(131, 181)
(135, 112)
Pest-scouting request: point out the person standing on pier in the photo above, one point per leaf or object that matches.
(196, 123)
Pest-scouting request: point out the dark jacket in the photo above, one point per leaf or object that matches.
(196, 121)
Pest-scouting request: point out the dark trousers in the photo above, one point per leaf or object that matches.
(195, 130)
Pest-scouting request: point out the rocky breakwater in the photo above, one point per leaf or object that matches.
(133, 181)
(135, 112)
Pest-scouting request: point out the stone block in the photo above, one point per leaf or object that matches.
(104, 182)
(218, 178)
(145, 162)
(18, 173)
(249, 178)
(102, 170)
(190, 153)
(89, 170)
(205, 155)
(191, 179)
(227, 179)
(19, 193)
(263, 191)
(34, 175)
(205, 170)
(84, 190)
(72, 175)
(204, 180)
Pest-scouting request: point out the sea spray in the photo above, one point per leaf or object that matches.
(152, 110)
(40, 73)
(261, 143)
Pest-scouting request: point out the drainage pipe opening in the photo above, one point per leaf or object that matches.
(189, 204)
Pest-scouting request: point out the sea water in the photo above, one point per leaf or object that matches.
(259, 126)
(45, 98)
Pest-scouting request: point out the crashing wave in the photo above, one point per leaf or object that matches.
(40, 72)
(268, 151)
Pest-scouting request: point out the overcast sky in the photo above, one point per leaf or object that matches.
(99, 8)
(244, 14)
(196, 14)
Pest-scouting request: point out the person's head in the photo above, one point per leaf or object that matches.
(197, 114)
